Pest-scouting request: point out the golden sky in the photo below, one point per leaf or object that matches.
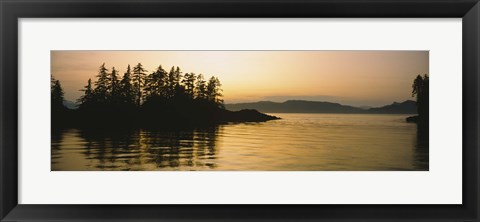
(359, 78)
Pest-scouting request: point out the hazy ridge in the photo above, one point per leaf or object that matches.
(303, 106)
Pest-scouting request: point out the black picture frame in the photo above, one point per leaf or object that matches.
(11, 11)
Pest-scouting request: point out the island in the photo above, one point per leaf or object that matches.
(160, 99)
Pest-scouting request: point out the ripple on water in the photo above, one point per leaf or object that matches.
(300, 142)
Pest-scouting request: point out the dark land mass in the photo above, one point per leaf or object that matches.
(418, 119)
(165, 117)
(192, 113)
(302, 106)
(159, 100)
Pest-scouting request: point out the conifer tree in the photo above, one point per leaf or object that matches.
(214, 91)
(177, 76)
(155, 83)
(201, 87)
(114, 90)
(126, 88)
(138, 78)
(171, 83)
(102, 84)
(56, 94)
(178, 88)
(189, 83)
(145, 96)
(87, 98)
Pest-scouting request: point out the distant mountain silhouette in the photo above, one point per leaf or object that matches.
(365, 107)
(70, 104)
(302, 106)
(406, 107)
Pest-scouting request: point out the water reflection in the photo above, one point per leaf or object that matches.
(134, 150)
(57, 138)
(298, 142)
(421, 148)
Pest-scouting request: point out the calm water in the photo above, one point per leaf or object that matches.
(296, 142)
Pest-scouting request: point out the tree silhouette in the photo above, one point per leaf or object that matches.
(138, 87)
(102, 84)
(420, 90)
(189, 83)
(170, 84)
(139, 100)
(56, 95)
(59, 113)
(127, 96)
(87, 98)
(155, 83)
(201, 87)
(138, 78)
(114, 88)
(178, 89)
(214, 91)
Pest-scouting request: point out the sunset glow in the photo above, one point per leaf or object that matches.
(360, 78)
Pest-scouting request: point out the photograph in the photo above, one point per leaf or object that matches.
(315, 110)
(231, 110)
